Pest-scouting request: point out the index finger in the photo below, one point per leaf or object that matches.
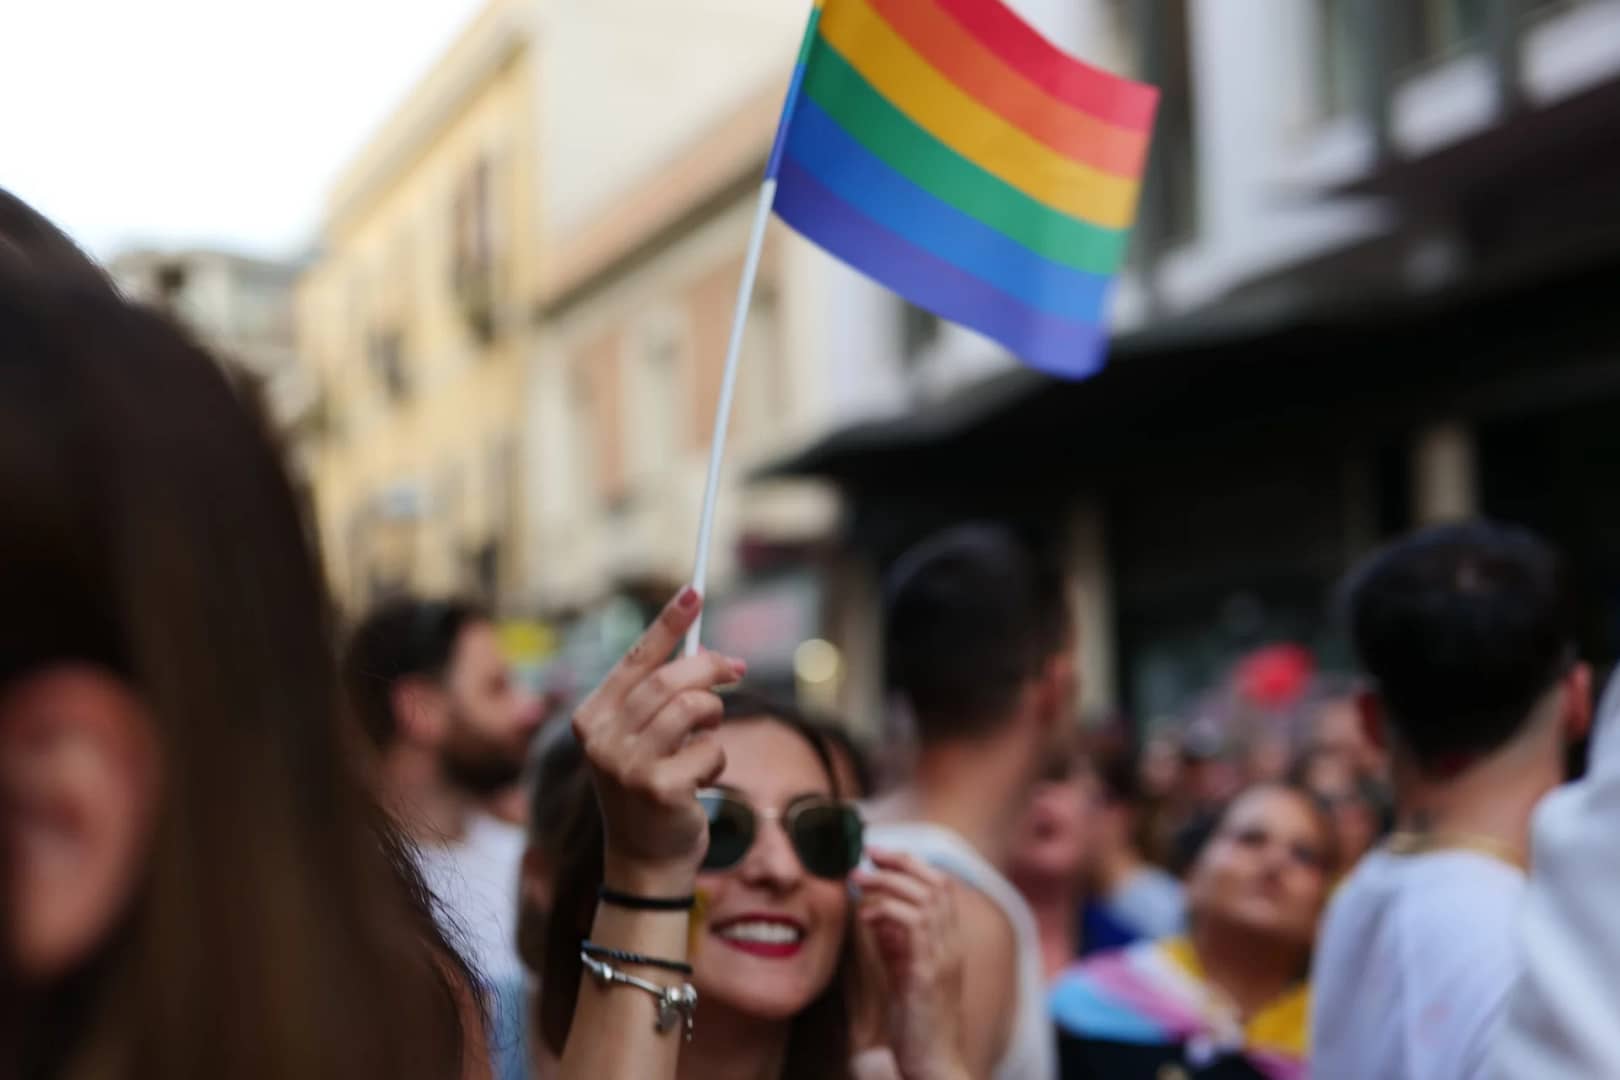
(655, 645)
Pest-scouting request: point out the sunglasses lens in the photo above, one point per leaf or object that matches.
(828, 839)
(731, 830)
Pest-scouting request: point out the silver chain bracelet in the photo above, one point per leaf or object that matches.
(675, 1003)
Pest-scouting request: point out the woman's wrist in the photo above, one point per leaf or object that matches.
(638, 877)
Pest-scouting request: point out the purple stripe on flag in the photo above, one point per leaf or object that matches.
(1049, 343)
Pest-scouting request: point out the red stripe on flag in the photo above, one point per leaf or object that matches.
(1120, 102)
(963, 59)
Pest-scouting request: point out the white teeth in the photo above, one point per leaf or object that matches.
(765, 933)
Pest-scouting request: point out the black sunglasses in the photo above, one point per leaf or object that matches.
(825, 833)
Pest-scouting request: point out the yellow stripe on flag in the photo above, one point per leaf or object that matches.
(940, 107)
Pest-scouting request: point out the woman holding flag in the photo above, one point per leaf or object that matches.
(724, 859)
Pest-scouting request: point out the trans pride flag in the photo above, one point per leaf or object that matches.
(947, 150)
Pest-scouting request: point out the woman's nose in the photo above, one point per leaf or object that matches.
(772, 862)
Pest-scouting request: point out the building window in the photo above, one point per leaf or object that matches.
(762, 403)
(503, 495)
(385, 350)
(1341, 38)
(1159, 34)
(1428, 31)
(473, 250)
(1174, 155)
(451, 504)
(583, 433)
(920, 330)
(473, 247)
(654, 432)
(356, 328)
(1417, 35)
(402, 277)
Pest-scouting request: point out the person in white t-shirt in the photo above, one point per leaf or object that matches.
(432, 689)
(1467, 636)
(1560, 1018)
(979, 645)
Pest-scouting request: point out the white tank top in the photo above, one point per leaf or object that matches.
(1032, 1046)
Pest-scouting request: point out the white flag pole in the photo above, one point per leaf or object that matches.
(728, 386)
(739, 319)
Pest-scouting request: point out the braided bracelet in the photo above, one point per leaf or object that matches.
(590, 948)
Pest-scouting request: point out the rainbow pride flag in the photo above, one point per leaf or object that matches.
(947, 150)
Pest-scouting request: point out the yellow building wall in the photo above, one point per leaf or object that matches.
(389, 268)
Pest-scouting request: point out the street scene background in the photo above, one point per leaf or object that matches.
(480, 260)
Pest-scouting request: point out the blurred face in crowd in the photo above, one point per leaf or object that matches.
(79, 780)
(1339, 731)
(1266, 870)
(1267, 760)
(1160, 768)
(491, 722)
(772, 931)
(1055, 838)
(1332, 779)
(1211, 781)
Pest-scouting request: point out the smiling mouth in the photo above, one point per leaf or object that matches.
(773, 939)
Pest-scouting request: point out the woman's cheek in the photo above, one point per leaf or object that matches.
(831, 903)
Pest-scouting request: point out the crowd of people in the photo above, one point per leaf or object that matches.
(241, 839)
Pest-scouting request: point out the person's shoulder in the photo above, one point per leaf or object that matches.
(489, 841)
(487, 830)
(1447, 887)
(947, 850)
(993, 994)
(1472, 927)
(1431, 893)
(985, 926)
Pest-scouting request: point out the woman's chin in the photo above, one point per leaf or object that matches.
(759, 1002)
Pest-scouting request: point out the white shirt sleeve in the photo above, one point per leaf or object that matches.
(1561, 1018)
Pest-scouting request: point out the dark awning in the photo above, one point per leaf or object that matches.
(1254, 370)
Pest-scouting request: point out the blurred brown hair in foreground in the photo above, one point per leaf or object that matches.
(272, 924)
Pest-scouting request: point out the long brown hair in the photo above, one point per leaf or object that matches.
(147, 527)
(820, 1043)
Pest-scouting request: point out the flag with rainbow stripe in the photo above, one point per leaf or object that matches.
(949, 151)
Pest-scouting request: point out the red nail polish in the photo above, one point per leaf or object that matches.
(688, 598)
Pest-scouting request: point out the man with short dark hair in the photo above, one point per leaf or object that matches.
(1467, 636)
(431, 687)
(979, 645)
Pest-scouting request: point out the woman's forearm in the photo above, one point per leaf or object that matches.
(615, 1034)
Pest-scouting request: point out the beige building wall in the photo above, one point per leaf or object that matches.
(628, 85)
(414, 317)
(637, 308)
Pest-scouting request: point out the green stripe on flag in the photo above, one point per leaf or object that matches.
(809, 36)
(900, 143)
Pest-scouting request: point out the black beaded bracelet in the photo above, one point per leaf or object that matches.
(645, 903)
(619, 956)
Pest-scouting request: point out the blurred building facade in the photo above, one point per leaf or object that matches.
(241, 307)
(633, 318)
(413, 318)
(1365, 292)
(658, 119)
(1368, 290)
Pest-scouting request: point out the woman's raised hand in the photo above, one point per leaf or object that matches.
(909, 909)
(644, 733)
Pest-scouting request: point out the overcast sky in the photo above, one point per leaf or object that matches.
(184, 122)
